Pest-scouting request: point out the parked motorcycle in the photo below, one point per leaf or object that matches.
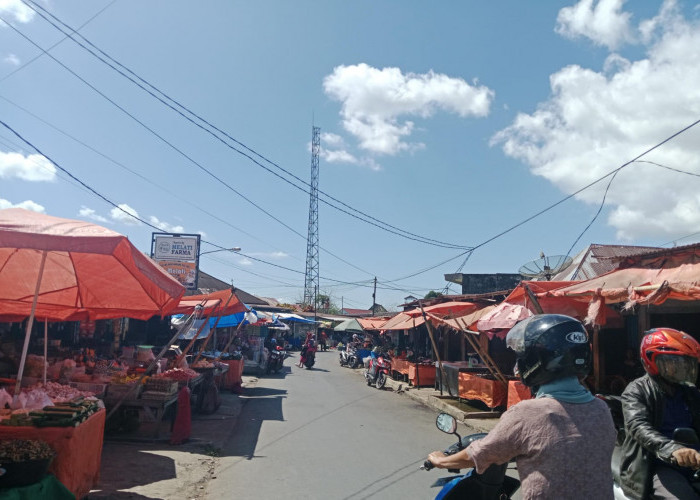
(683, 435)
(378, 371)
(349, 357)
(493, 483)
(275, 362)
(343, 355)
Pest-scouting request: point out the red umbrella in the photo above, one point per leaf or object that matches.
(65, 270)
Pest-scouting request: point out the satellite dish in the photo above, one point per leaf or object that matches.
(545, 267)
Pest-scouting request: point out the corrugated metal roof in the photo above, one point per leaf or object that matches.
(599, 259)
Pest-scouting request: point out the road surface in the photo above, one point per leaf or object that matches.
(323, 433)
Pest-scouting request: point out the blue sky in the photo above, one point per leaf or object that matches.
(451, 123)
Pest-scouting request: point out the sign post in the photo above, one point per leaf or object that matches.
(178, 254)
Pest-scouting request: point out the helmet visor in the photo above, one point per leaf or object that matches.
(678, 369)
(516, 336)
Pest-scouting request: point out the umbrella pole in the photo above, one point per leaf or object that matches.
(30, 323)
(46, 341)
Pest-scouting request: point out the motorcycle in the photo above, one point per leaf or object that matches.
(683, 435)
(493, 483)
(349, 357)
(310, 357)
(275, 362)
(378, 371)
(343, 355)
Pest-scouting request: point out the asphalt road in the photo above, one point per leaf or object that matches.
(323, 433)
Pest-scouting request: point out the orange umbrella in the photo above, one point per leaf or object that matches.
(88, 271)
(65, 270)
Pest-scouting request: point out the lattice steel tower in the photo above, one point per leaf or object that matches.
(311, 281)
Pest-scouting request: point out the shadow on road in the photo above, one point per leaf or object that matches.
(267, 405)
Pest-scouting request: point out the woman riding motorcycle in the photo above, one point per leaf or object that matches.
(653, 406)
(562, 440)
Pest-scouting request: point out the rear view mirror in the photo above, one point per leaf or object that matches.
(446, 423)
(686, 435)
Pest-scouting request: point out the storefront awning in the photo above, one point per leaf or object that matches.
(403, 321)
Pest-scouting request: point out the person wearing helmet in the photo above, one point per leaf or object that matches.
(652, 465)
(562, 440)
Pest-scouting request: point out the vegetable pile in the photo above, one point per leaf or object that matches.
(21, 450)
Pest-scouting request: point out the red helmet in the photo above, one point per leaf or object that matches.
(659, 344)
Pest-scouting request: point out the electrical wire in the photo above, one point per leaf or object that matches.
(178, 107)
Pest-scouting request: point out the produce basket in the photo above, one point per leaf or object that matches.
(157, 395)
(115, 391)
(98, 390)
(163, 385)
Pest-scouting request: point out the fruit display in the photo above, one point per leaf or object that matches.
(179, 374)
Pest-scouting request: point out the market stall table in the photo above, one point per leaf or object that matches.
(450, 383)
(150, 410)
(233, 378)
(78, 450)
(220, 375)
(421, 374)
(400, 367)
(493, 393)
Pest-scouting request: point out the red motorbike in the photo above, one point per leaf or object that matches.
(378, 371)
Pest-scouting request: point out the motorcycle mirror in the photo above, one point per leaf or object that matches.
(446, 423)
(686, 435)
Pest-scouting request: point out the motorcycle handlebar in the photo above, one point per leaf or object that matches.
(427, 465)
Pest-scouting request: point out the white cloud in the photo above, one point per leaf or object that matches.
(376, 103)
(269, 255)
(27, 204)
(32, 167)
(17, 10)
(602, 21)
(332, 140)
(119, 215)
(595, 122)
(89, 213)
(164, 226)
(12, 59)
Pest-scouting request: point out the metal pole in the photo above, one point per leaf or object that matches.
(30, 323)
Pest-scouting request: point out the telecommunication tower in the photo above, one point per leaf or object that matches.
(311, 281)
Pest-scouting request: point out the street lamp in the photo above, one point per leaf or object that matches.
(234, 249)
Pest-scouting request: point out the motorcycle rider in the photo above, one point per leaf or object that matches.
(562, 440)
(653, 406)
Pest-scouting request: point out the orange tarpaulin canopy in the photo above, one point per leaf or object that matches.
(213, 299)
(188, 306)
(518, 306)
(462, 323)
(372, 323)
(402, 321)
(640, 285)
(88, 272)
(445, 308)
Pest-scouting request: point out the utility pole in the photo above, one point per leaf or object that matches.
(374, 297)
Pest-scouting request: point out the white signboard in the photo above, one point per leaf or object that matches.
(183, 249)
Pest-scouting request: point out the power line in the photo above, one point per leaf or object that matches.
(178, 107)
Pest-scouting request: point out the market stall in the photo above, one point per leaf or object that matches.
(421, 374)
(399, 367)
(473, 386)
(55, 269)
(78, 450)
